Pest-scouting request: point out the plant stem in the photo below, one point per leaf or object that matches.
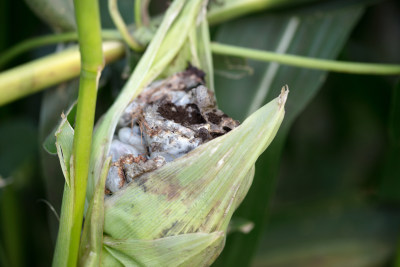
(121, 26)
(218, 13)
(305, 62)
(89, 32)
(138, 13)
(36, 75)
(32, 43)
(223, 10)
(39, 74)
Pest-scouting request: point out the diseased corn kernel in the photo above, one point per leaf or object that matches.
(167, 120)
(132, 136)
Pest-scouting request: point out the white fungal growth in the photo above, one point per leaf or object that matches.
(133, 137)
(119, 149)
(166, 121)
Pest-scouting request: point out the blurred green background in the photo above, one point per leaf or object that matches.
(327, 191)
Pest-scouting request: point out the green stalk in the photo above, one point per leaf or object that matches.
(39, 74)
(138, 13)
(36, 75)
(218, 13)
(32, 43)
(306, 62)
(121, 26)
(89, 33)
(224, 10)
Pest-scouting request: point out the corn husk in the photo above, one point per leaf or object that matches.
(195, 194)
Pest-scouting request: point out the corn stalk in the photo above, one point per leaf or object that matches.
(89, 33)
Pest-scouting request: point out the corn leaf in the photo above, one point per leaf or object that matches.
(311, 234)
(59, 14)
(223, 10)
(317, 31)
(390, 184)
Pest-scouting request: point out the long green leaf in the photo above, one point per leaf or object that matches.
(390, 184)
(319, 31)
(59, 14)
(353, 233)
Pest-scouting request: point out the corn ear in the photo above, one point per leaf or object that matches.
(196, 193)
(178, 29)
(177, 215)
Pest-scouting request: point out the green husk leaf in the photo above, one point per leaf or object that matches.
(64, 140)
(196, 249)
(199, 191)
(92, 236)
(205, 57)
(49, 144)
(196, 51)
(66, 217)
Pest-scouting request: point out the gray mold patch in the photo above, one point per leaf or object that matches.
(167, 120)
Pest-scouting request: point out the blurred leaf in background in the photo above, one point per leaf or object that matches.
(22, 216)
(317, 31)
(334, 152)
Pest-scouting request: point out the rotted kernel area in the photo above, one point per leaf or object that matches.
(167, 120)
